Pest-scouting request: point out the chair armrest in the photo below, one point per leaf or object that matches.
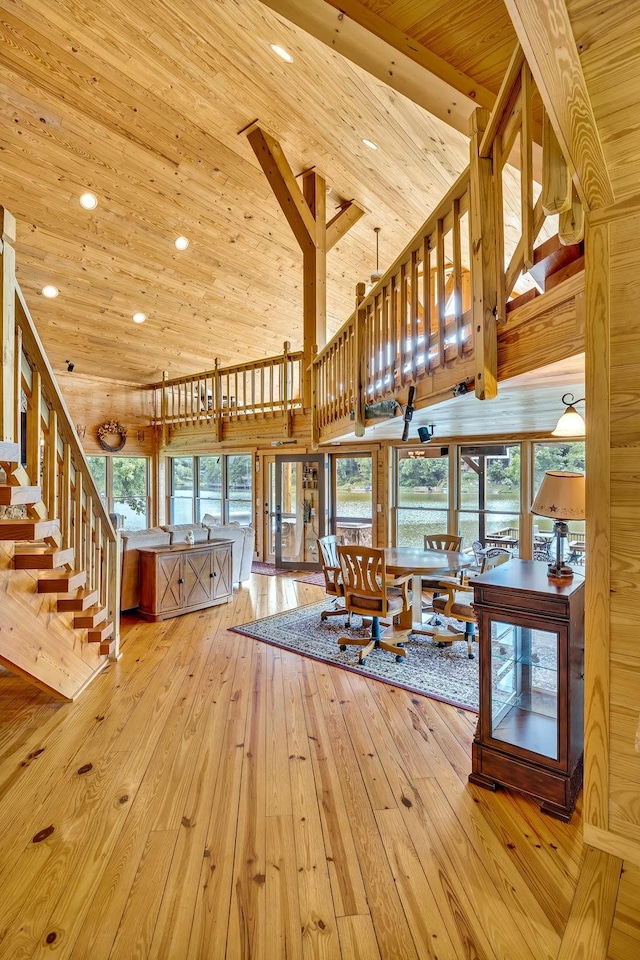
(391, 581)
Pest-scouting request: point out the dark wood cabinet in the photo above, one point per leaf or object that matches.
(178, 579)
(530, 727)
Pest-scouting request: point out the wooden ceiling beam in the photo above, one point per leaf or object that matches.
(390, 55)
(544, 31)
(284, 185)
(344, 219)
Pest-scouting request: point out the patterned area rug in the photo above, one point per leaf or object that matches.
(267, 569)
(317, 578)
(442, 673)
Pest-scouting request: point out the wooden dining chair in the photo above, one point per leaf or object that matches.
(328, 553)
(370, 592)
(437, 541)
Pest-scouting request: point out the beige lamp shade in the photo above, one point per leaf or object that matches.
(561, 496)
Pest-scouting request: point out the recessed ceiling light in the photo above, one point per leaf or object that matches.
(281, 52)
(370, 144)
(88, 201)
(139, 317)
(181, 243)
(50, 292)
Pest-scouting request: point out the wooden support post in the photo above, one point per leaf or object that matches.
(305, 210)
(358, 369)
(314, 259)
(8, 325)
(484, 264)
(17, 388)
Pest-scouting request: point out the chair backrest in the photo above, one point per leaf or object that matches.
(542, 553)
(328, 553)
(363, 579)
(494, 557)
(442, 541)
(478, 551)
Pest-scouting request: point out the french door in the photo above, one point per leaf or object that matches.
(299, 510)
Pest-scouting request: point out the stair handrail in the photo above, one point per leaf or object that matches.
(95, 538)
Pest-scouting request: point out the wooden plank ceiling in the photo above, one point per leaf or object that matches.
(141, 103)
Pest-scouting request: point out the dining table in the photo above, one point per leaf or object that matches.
(418, 563)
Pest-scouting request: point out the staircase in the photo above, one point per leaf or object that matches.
(58, 550)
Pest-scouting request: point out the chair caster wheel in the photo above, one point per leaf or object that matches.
(471, 656)
(343, 647)
(323, 617)
(442, 645)
(363, 661)
(399, 659)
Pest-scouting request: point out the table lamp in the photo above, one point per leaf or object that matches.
(560, 497)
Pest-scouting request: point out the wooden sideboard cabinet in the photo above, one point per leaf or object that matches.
(530, 728)
(178, 579)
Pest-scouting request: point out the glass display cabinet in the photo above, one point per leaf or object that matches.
(530, 727)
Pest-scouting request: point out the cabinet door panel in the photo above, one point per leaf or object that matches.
(222, 585)
(197, 578)
(169, 585)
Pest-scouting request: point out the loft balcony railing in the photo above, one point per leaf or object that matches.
(415, 320)
(263, 389)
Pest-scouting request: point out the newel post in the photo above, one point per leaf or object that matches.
(484, 264)
(358, 363)
(8, 322)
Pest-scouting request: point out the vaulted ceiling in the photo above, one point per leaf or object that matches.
(142, 104)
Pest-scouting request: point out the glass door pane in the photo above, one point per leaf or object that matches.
(524, 687)
(352, 502)
(299, 510)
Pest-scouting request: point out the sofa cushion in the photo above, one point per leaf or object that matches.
(178, 532)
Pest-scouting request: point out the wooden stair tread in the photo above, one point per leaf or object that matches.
(91, 617)
(82, 599)
(107, 647)
(28, 556)
(12, 495)
(62, 582)
(103, 632)
(28, 529)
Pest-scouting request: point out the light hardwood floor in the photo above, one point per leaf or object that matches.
(210, 796)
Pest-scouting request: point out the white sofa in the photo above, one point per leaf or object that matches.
(132, 540)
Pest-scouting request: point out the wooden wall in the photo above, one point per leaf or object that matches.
(612, 755)
(94, 400)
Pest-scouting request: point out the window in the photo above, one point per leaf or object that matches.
(559, 456)
(221, 486)
(489, 495)
(352, 499)
(422, 495)
(123, 484)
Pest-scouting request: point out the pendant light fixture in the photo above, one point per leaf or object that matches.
(377, 273)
